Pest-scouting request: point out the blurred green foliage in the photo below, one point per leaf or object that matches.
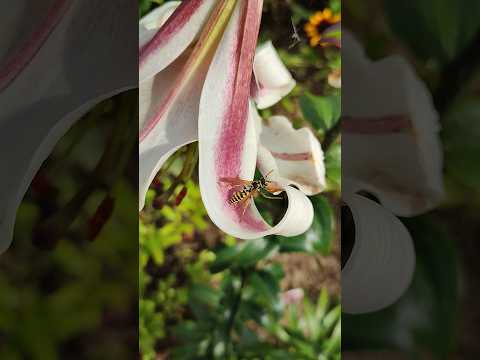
(77, 300)
(441, 40)
(434, 29)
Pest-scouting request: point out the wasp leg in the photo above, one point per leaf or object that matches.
(271, 197)
(246, 202)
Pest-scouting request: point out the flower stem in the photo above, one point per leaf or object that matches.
(118, 151)
(331, 136)
(233, 314)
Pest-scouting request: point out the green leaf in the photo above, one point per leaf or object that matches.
(434, 28)
(319, 238)
(243, 255)
(333, 159)
(322, 112)
(224, 258)
(460, 137)
(204, 294)
(264, 288)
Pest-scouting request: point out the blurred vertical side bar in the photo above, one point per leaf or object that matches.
(69, 179)
(410, 175)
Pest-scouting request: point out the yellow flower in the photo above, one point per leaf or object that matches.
(327, 14)
(312, 27)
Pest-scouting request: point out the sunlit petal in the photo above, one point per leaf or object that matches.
(272, 79)
(176, 34)
(227, 135)
(154, 20)
(297, 154)
(169, 103)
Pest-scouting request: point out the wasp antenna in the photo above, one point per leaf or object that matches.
(268, 174)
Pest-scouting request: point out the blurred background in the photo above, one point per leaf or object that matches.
(438, 317)
(68, 283)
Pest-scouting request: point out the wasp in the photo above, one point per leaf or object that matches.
(249, 189)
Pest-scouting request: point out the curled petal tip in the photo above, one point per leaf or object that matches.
(273, 81)
(296, 155)
(381, 265)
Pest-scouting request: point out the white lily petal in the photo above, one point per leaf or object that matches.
(178, 123)
(174, 37)
(154, 20)
(15, 30)
(402, 168)
(273, 79)
(169, 102)
(228, 138)
(24, 31)
(176, 128)
(85, 40)
(297, 153)
(381, 265)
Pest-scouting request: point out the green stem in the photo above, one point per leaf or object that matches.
(109, 168)
(233, 314)
(331, 136)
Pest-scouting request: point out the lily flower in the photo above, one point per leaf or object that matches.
(196, 76)
(392, 151)
(45, 53)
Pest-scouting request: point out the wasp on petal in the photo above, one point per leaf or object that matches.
(249, 189)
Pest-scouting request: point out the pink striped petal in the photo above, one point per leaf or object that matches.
(228, 134)
(387, 125)
(31, 124)
(177, 125)
(169, 103)
(154, 20)
(297, 153)
(27, 47)
(174, 36)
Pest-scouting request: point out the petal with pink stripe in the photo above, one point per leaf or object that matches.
(154, 20)
(169, 103)
(176, 34)
(228, 134)
(297, 155)
(34, 122)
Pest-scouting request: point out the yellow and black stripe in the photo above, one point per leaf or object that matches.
(238, 196)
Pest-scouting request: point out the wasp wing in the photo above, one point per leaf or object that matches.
(232, 181)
